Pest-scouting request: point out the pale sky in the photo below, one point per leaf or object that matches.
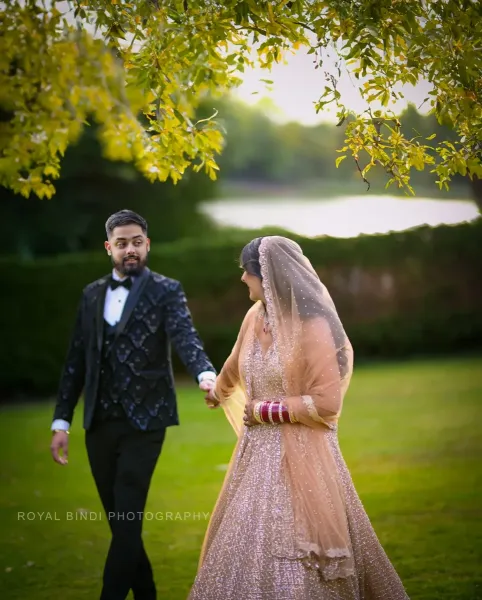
(297, 85)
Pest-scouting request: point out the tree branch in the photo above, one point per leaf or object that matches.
(360, 170)
(305, 26)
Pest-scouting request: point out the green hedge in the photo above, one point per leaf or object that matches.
(401, 294)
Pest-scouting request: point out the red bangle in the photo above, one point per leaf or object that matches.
(273, 412)
(264, 412)
(279, 412)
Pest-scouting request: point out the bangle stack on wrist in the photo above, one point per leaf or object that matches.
(272, 412)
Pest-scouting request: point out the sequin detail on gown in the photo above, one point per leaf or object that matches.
(251, 555)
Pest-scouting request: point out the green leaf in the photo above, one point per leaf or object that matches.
(181, 57)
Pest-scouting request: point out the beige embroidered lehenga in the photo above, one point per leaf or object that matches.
(288, 524)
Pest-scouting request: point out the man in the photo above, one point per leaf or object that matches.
(120, 356)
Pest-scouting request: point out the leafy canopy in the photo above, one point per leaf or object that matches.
(141, 68)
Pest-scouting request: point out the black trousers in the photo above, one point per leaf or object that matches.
(122, 460)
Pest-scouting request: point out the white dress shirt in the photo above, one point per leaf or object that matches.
(115, 301)
(113, 307)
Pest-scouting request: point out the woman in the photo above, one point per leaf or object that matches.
(288, 524)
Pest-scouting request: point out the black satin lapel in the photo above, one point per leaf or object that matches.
(99, 312)
(131, 301)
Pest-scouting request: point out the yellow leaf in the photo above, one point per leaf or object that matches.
(51, 170)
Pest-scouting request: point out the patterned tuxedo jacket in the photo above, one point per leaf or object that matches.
(155, 317)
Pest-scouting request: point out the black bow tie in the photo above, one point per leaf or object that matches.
(127, 283)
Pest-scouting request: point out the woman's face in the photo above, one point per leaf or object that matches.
(255, 287)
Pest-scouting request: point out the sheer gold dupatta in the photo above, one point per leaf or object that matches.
(230, 385)
(317, 362)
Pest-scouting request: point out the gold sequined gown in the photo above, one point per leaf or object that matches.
(252, 526)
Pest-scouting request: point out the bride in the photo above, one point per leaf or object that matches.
(288, 523)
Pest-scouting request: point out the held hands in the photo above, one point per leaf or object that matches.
(60, 442)
(207, 385)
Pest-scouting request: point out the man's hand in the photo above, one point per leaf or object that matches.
(206, 385)
(60, 442)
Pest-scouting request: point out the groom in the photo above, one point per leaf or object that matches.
(119, 355)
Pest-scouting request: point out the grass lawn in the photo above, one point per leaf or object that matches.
(410, 433)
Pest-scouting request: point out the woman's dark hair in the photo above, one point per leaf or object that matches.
(249, 259)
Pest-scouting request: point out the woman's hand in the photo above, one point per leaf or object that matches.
(248, 418)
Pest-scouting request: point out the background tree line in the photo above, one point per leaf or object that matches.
(258, 151)
(120, 61)
(398, 295)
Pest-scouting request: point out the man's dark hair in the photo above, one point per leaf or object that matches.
(124, 217)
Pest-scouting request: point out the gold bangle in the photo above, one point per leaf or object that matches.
(61, 431)
(280, 412)
(256, 412)
(292, 416)
(270, 413)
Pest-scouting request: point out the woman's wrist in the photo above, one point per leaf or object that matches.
(257, 413)
(272, 412)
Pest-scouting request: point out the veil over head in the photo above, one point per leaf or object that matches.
(304, 317)
(316, 360)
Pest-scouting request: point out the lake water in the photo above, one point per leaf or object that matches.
(344, 216)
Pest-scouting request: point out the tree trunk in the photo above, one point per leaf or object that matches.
(476, 184)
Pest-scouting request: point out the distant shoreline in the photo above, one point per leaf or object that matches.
(318, 190)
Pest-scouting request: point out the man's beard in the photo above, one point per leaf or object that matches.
(134, 269)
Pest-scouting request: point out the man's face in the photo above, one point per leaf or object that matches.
(128, 247)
